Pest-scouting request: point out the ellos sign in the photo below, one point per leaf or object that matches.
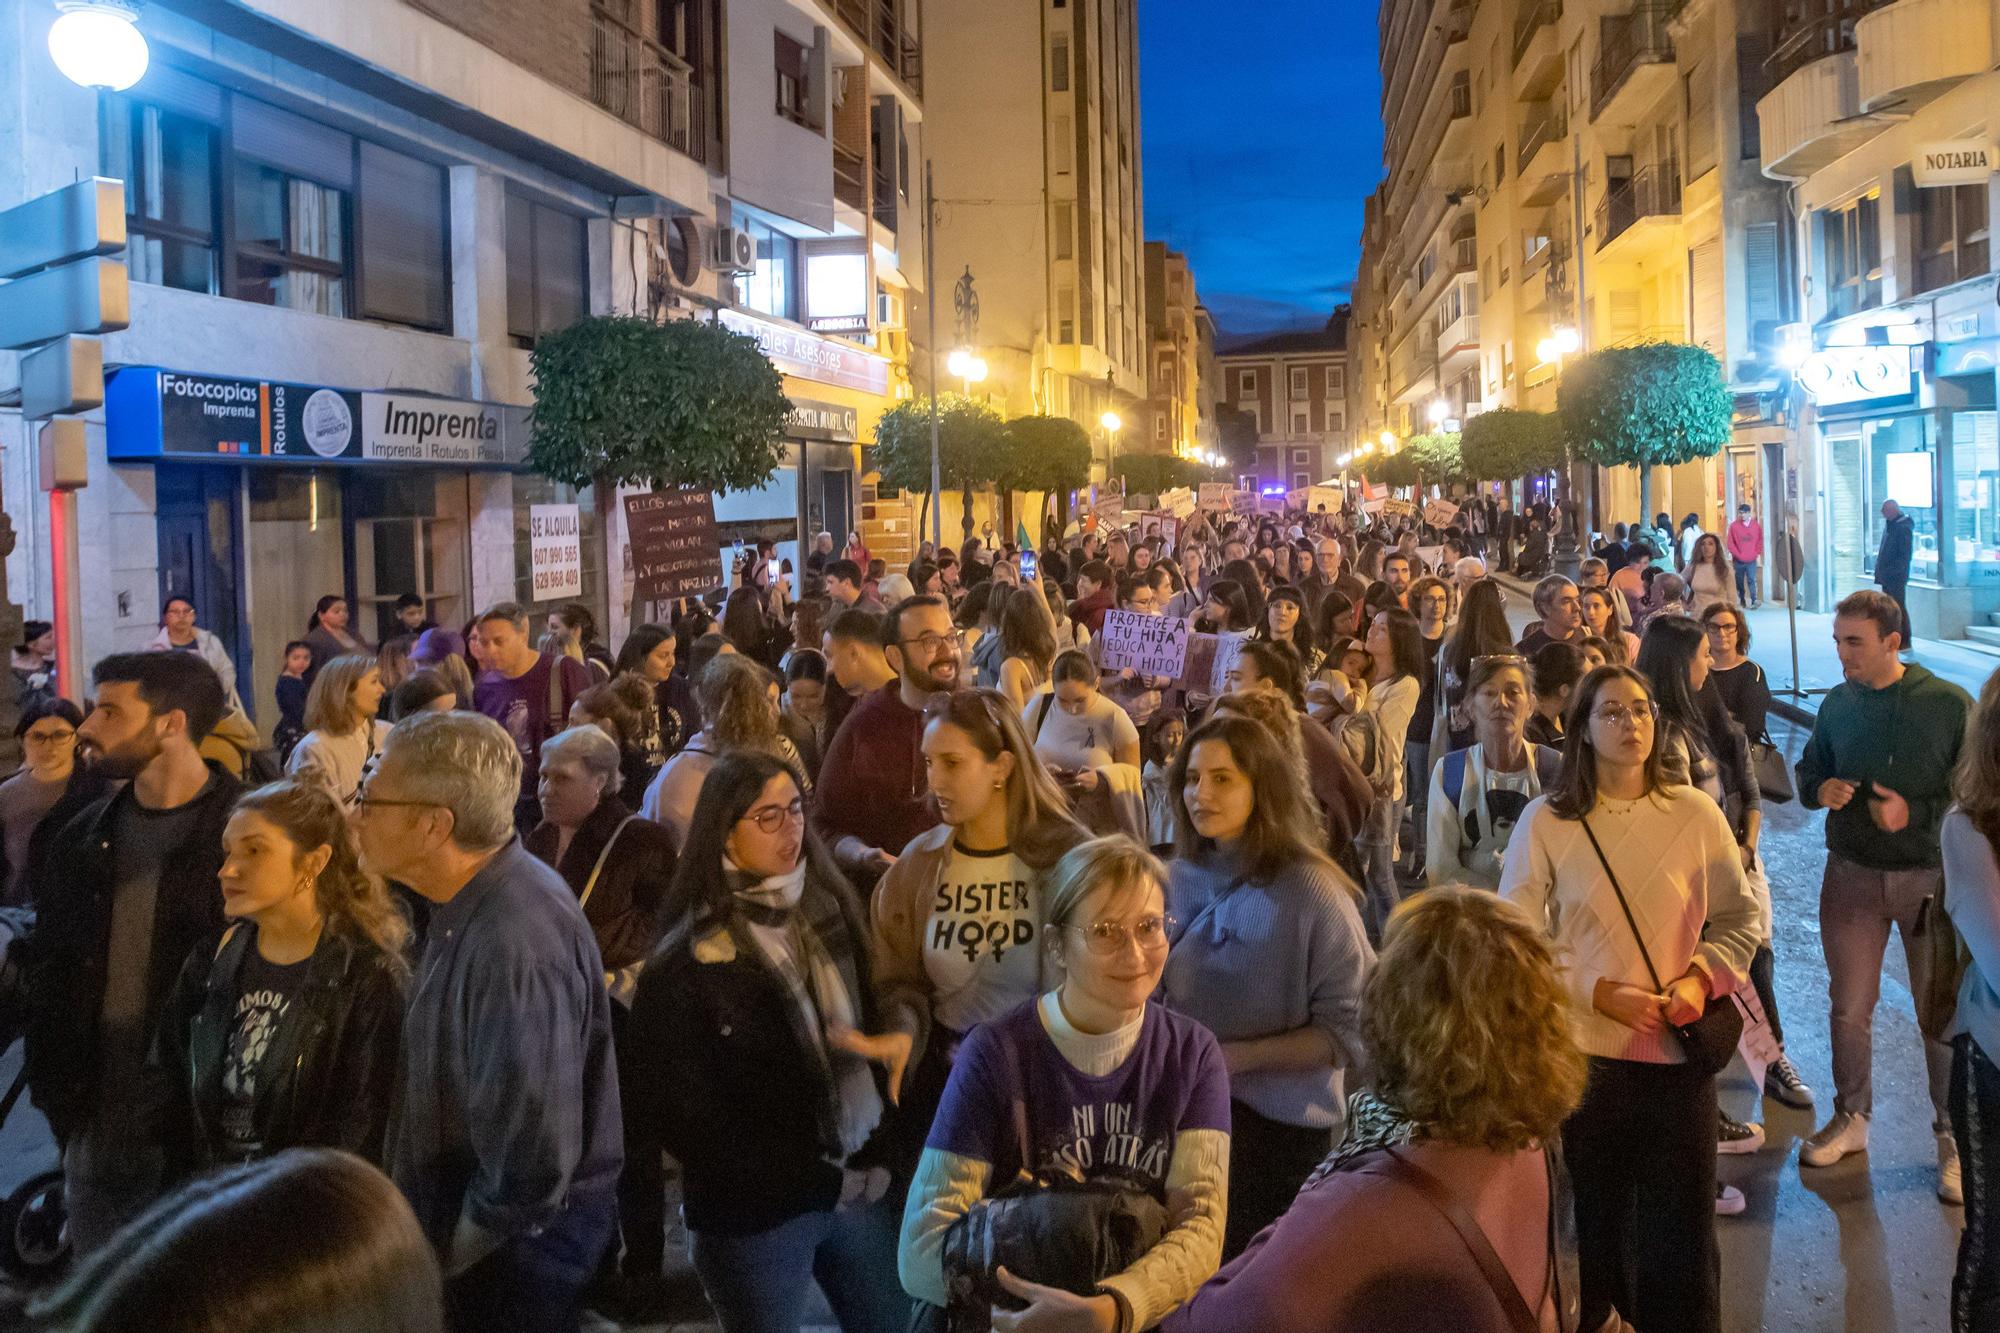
(1952, 162)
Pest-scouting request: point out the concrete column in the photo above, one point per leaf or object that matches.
(479, 273)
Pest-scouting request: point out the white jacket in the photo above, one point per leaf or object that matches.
(210, 650)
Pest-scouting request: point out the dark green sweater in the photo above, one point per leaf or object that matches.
(1906, 738)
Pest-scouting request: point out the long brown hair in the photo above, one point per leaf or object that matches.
(1040, 827)
(1284, 827)
(1975, 783)
(330, 703)
(1714, 562)
(354, 903)
(1574, 793)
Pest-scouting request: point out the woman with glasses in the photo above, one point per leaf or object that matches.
(1271, 957)
(740, 700)
(1477, 794)
(1613, 835)
(47, 732)
(760, 1078)
(1130, 1093)
(1745, 691)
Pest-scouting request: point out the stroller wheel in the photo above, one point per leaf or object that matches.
(34, 1223)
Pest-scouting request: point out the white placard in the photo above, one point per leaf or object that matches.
(1217, 496)
(1328, 498)
(1952, 162)
(1439, 513)
(1150, 645)
(555, 552)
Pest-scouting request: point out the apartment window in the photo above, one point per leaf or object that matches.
(1298, 381)
(1301, 480)
(168, 164)
(1952, 235)
(1246, 382)
(1065, 146)
(770, 289)
(1059, 64)
(1334, 422)
(291, 241)
(1499, 164)
(546, 270)
(404, 225)
(1159, 428)
(793, 60)
(1300, 422)
(1506, 363)
(1300, 457)
(1065, 315)
(1426, 268)
(1065, 227)
(1851, 242)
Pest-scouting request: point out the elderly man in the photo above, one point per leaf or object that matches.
(1466, 573)
(506, 1140)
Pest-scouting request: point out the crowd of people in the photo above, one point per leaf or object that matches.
(1380, 985)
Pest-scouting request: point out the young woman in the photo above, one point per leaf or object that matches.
(1688, 540)
(1482, 631)
(1034, 1090)
(574, 621)
(1272, 665)
(1161, 743)
(1477, 794)
(1600, 617)
(759, 1077)
(343, 732)
(1339, 618)
(1475, 1072)
(34, 663)
(745, 625)
(1396, 647)
(1027, 646)
(47, 732)
(289, 1033)
(1285, 623)
(740, 700)
(1970, 834)
(1074, 728)
(327, 633)
(1271, 957)
(652, 652)
(1741, 683)
(1226, 609)
(1554, 671)
(1431, 603)
(1641, 1148)
(1710, 581)
(179, 634)
(802, 709)
(956, 917)
(624, 709)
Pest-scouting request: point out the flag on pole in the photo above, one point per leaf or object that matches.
(1021, 535)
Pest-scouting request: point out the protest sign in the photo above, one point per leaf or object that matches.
(1209, 658)
(1398, 509)
(676, 551)
(1439, 513)
(1324, 497)
(1430, 555)
(1372, 507)
(555, 552)
(1244, 502)
(1150, 645)
(1217, 496)
(1110, 509)
(1296, 499)
(1179, 502)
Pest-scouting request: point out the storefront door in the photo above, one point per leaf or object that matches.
(196, 509)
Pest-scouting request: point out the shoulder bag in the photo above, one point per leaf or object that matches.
(622, 984)
(1710, 1040)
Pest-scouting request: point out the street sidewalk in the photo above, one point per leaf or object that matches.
(1963, 663)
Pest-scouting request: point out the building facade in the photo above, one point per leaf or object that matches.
(1295, 386)
(349, 224)
(1173, 422)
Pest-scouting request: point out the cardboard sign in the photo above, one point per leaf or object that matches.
(676, 550)
(1328, 498)
(1439, 513)
(1372, 507)
(1296, 499)
(1209, 659)
(1179, 502)
(1430, 555)
(1243, 502)
(1170, 528)
(1110, 509)
(555, 552)
(1150, 645)
(1399, 509)
(1217, 497)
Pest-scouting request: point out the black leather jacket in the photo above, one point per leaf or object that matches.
(327, 1079)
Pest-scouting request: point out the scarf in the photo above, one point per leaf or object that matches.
(1372, 1124)
(806, 944)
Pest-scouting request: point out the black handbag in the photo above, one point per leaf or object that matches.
(1710, 1040)
(1049, 1226)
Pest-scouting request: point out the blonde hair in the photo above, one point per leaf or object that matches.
(1111, 862)
(354, 903)
(1467, 1022)
(330, 703)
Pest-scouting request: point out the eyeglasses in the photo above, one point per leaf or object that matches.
(1108, 937)
(931, 644)
(51, 737)
(771, 818)
(367, 802)
(1619, 715)
(1510, 659)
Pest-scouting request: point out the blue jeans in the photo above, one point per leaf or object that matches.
(1746, 581)
(1379, 891)
(759, 1283)
(534, 1284)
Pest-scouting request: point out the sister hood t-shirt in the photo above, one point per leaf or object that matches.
(981, 937)
(1120, 1126)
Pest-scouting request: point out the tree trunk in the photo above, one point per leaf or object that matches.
(1646, 495)
(965, 516)
(923, 523)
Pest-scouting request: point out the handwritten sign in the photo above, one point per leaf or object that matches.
(1209, 659)
(1217, 497)
(555, 552)
(1296, 499)
(1398, 509)
(1150, 645)
(676, 550)
(1110, 510)
(1429, 556)
(1179, 502)
(1245, 502)
(1328, 498)
(1439, 513)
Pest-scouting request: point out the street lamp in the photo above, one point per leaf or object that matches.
(97, 43)
(1111, 422)
(1388, 440)
(1439, 411)
(967, 368)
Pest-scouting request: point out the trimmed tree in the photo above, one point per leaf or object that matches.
(969, 448)
(1509, 442)
(620, 400)
(1436, 458)
(1655, 405)
(1150, 474)
(1393, 470)
(1237, 432)
(1047, 454)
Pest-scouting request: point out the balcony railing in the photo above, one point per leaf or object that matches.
(850, 177)
(1461, 95)
(1458, 23)
(1653, 191)
(644, 84)
(1627, 41)
(1806, 37)
(1538, 14)
(1547, 123)
(881, 25)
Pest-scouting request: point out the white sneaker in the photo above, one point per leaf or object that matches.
(1845, 1133)
(1951, 1188)
(1728, 1201)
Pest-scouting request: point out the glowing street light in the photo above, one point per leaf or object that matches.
(97, 43)
(1388, 441)
(1440, 409)
(1111, 422)
(965, 366)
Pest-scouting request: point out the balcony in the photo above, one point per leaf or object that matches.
(1914, 50)
(646, 85)
(1635, 62)
(1458, 23)
(1814, 117)
(1458, 343)
(850, 178)
(1458, 115)
(1636, 206)
(1537, 59)
(884, 27)
(1808, 38)
(1541, 157)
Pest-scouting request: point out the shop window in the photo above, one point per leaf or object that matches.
(404, 231)
(1900, 454)
(1952, 233)
(1059, 64)
(291, 241)
(546, 270)
(168, 163)
(1975, 456)
(1851, 254)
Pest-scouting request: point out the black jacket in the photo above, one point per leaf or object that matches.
(624, 908)
(329, 1074)
(67, 955)
(1892, 558)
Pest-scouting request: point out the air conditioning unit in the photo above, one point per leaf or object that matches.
(733, 250)
(889, 310)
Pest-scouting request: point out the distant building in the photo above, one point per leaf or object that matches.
(1295, 386)
(1173, 334)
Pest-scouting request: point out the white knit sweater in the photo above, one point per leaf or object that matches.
(1683, 877)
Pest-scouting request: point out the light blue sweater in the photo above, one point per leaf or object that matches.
(1972, 897)
(1269, 959)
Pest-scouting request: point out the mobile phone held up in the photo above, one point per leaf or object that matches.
(1030, 565)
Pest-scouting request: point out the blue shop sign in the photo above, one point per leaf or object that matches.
(155, 415)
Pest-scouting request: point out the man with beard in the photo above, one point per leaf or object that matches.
(873, 794)
(127, 893)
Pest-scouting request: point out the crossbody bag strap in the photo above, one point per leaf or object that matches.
(1624, 906)
(1019, 1095)
(590, 885)
(558, 715)
(1423, 1182)
(1042, 713)
(1208, 907)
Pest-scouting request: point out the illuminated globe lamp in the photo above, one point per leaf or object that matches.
(1112, 422)
(97, 43)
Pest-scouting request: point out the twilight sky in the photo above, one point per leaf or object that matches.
(1262, 137)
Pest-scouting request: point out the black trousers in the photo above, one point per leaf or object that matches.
(1268, 1161)
(642, 1185)
(1900, 590)
(1975, 1120)
(1641, 1154)
(1761, 963)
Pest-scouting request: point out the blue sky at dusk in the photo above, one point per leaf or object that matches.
(1260, 124)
